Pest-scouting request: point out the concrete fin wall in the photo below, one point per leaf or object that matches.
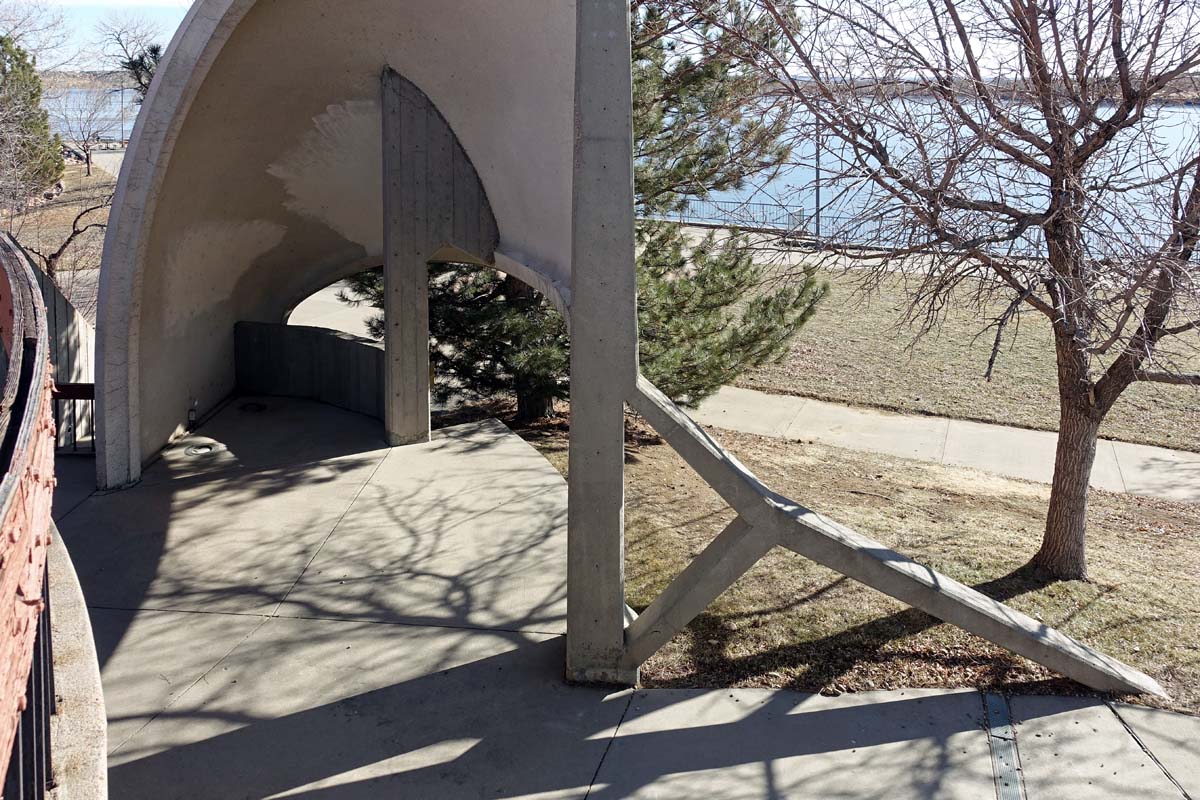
(433, 203)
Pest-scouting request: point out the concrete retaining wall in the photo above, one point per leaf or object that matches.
(312, 363)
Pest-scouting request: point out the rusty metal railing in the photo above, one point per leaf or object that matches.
(27, 440)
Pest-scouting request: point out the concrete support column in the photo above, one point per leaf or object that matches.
(603, 342)
(405, 271)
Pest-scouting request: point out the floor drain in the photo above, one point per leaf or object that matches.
(200, 450)
(253, 408)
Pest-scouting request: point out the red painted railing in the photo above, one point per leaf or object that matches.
(26, 488)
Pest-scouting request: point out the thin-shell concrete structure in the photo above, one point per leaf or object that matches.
(285, 144)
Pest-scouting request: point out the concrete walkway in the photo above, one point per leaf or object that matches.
(1013, 452)
(284, 609)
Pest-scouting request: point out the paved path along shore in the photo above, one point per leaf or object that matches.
(1013, 452)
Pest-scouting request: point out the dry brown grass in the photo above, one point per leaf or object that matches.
(853, 352)
(46, 227)
(790, 623)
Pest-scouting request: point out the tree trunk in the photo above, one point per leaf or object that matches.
(533, 406)
(1063, 545)
(87, 160)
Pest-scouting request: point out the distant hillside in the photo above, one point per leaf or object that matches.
(96, 79)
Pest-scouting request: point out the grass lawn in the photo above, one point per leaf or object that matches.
(853, 352)
(790, 623)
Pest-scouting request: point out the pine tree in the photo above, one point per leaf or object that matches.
(140, 66)
(31, 155)
(705, 315)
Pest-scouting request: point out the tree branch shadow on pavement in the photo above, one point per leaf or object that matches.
(506, 726)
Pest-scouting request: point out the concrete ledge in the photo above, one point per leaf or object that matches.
(79, 740)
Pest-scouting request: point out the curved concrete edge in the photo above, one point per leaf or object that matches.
(515, 264)
(193, 50)
(79, 729)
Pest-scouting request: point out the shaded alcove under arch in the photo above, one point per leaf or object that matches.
(251, 181)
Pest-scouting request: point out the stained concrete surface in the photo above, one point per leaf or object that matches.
(386, 623)
(1078, 748)
(1172, 738)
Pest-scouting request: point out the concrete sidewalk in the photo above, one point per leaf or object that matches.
(1013, 452)
(283, 608)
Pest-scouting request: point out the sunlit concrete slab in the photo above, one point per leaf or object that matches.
(749, 411)
(307, 708)
(324, 310)
(1013, 452)
(149, 659)
(503, 568)
(1028, 455)
(1077, 748)
(867, 429)
(1173, 739)
(742, 743)
(1160, 472)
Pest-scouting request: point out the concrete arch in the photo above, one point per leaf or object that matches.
(227, 207)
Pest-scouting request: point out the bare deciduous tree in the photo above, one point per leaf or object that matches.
(84, 116)
(80, 241)
(132, 44)
(40, 29)
(1014, 149)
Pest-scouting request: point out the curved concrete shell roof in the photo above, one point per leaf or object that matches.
(254, 175)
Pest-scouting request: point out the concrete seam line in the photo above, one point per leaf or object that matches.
(190, 686)
(74, 508)
(1120, 470)
(1002, 743)
(333, 529)
(804, 401)
(607, 747)
(1149, 753)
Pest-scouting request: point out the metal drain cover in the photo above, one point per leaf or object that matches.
(253, 407)
(200, 450)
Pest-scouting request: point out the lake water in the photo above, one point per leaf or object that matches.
(791, 198)
(117, 111)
